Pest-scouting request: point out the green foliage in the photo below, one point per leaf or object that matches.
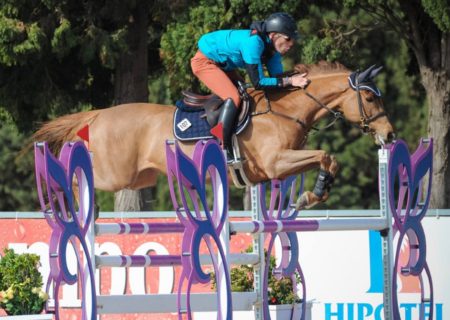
(179, 42)
(19, 41)
(57, 56)
(17, 183)
(350, 36)
(317, 49)
(64, 39)
(355, 184)
(241, 278)
(20, 284)
(280, 291)
(323, 35)
(158, 88)
(439, 11)
(104, 200)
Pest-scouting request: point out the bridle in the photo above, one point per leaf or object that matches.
(363, 124)
(364, 120)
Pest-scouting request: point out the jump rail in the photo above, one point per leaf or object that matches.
(400, 177)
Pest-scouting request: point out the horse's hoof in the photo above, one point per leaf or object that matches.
(334, 166)
(302, 202)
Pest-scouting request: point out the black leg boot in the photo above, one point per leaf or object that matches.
(227, 118)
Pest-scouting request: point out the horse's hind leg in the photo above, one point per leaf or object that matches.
(325, 178)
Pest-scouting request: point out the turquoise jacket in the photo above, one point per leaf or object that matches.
(233, 49)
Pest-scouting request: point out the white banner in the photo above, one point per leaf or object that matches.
(344, 279)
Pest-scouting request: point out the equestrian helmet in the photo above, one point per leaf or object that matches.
(282, 22)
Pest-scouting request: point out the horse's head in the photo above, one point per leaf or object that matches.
(363, 106)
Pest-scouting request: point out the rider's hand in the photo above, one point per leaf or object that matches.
(300, 80)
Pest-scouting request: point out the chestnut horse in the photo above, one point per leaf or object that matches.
(128, 140)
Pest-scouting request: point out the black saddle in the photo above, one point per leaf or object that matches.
(211, 104)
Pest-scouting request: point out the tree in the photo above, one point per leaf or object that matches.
(425, 26)
(16, 173)
(131, 85)
(358, 40)
(131, 75)
(56, 57)
(179, 42)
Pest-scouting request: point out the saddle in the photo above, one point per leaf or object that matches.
(195, 116)
(211, 104)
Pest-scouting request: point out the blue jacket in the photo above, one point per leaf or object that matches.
(234, 49)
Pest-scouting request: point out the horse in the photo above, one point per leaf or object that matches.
(128, 140)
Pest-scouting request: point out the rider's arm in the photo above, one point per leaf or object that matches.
(259, 80)
(274, 65)
(252, 58)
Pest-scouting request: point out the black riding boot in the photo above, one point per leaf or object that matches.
(227, 117)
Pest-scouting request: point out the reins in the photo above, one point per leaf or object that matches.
(269, 110)
(364, 119)
(337, 115)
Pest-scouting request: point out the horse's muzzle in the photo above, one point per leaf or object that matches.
(382, 139)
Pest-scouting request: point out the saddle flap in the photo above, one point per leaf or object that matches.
(245, 107)
(195, 99)
(197, 114)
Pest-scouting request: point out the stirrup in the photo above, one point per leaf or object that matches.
(236, 167)
(229, 155)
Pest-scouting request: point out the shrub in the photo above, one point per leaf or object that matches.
(20, 284)
(279, 291)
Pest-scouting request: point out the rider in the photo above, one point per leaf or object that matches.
(222, 52)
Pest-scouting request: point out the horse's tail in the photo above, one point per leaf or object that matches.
(60, 130)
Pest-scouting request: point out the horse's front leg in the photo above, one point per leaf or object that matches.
(325, 179)
(292, 162)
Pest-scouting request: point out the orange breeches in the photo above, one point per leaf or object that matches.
(217, 80)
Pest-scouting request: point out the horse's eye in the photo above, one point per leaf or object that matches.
(370, 98)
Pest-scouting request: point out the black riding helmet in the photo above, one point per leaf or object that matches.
(281, 22)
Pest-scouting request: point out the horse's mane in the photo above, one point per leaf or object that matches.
(322, 67)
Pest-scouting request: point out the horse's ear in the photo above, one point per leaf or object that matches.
(375, 72)
(363, 76)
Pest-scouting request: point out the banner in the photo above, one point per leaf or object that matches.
(342, 269)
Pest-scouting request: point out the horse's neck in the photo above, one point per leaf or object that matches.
(297, 104)
(328, 99)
